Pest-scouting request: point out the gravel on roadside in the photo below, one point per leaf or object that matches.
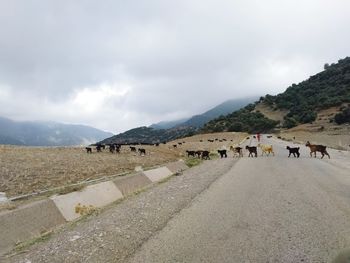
(116, 232)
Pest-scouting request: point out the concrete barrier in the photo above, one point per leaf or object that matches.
(176, 167)
(93, 196)
(27, 222)
(158, 174)
(130, 184)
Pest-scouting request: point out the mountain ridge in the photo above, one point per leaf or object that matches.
(37, 133)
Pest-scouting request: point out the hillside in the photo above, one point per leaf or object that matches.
(199, 120)
(243, 120)
(148, 135)
(167, 124)
(224, 108)
(300, 104)
(47, 133)
(303, 101)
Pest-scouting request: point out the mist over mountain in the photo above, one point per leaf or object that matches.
(198, 121)
(171, 130)
(167, 124)
(47, 133)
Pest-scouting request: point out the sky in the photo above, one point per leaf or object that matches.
(117, 64)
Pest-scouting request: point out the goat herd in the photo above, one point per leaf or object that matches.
(204, 154)
(115, 148)
(265, 149)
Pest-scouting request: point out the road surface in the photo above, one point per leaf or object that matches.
(266, 209)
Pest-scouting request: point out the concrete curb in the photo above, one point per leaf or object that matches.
(158, 174)
(33, 219)
(132, 183)
(76, 204)
(27, 222)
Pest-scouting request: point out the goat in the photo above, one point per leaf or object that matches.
(191, 153)
(180, 143)
(223, 153)
(98, 148)
(132, 148)
(267, 149)
(142, 151)
(210, 140)
(112, 148)
(175, 146)
(117, 148)
(237, 151)
(294, 151)
(199, 154)
(252, 149)
(205, 155)
(317, 148)
(88, 149)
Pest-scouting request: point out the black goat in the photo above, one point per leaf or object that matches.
(142, 151)
(191, 153)
(252, 149)
(132, 148)
(223, 153)
(98, 148)
(88, 149)
(294, 151)
(205, 155)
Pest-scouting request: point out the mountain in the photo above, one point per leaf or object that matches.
(47, 133)
(299, 104)
(222, 109)
(329, 88)
(171, 130)
(199, 120)
(167, 124)
(147, 135)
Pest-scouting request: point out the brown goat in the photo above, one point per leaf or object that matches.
(317, 148)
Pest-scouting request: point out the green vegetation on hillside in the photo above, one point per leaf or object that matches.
(328, 88)
(343, 116)
(243, 120)
(148, 135)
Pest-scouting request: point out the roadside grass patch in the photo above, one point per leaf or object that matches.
(25, 244)
(190, 162)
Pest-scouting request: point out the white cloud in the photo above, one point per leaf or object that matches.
(120, 64)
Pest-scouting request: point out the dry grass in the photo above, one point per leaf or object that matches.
(26, 170)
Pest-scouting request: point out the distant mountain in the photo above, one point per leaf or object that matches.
(224, 108)
(147, 135)
(47, 133)
(167, 124)
(171, 130)
(199, 120)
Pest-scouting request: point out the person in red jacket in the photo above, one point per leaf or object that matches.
(258, 136)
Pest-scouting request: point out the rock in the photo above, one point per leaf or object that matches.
(3, 198)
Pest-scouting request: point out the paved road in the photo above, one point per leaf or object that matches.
(270, 209)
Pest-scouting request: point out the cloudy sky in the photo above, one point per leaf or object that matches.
(120, 64)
